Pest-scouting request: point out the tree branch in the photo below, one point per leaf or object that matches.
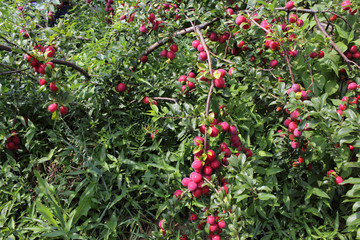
(334, 45)
(57, 61)
(179, 33)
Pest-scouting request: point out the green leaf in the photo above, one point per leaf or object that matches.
(264, 154)
(342, 46)
(352, 181)
(331, 87)
(320, 193)
(353, 219)
(272, 171)
(342, 33)
(46, 213)
(266, 196)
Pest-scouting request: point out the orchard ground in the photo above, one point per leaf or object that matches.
(179, 119)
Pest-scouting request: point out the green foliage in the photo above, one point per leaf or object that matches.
(108, 169)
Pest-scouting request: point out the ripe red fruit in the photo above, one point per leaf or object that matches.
(195, 43)
(297, 133)
(225, 126)
(216, 237)
(293, 18)
(215, 164)
(313, 54)
(198, 140)
(352, 12)
(356, 55)
(295, 145)
(338, 180)
(195, 177)
(292, 126)
(219, 83)
(299, 22)
(353, 49)
(121, 87)
(214, 132)
(346, 5)
(202, 56)
(320, 54)
(144, 59)
(342, 107)
(289, 5)
(50, 51)
(202, 129)
(50, 65)
(197, 165)
(331, 172)
(207, 170)
(34, 62)
(174, 48)
(273, 63)
(333, 18)
(210, 154)
(210, 220)
(200, 48)
(42, 81)
(178, 193)
(52, 107)
(25, 34)
(351, 147)
(294, 53)
(151, 17)
(170, 55)
(143, 29)
(230, 11)
(240, 19)
(53, 87)
(191, 75)
(192, 186)
(352, 86)
(292, 37)
(185, 181)
(193, 217)
(63, 110)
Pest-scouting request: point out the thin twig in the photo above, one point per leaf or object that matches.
(287, 62)
(165, 98)
(308, 65)
(223, 59)
(180, 33)
(14, 71)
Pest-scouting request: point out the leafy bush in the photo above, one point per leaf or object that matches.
(263, 121)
